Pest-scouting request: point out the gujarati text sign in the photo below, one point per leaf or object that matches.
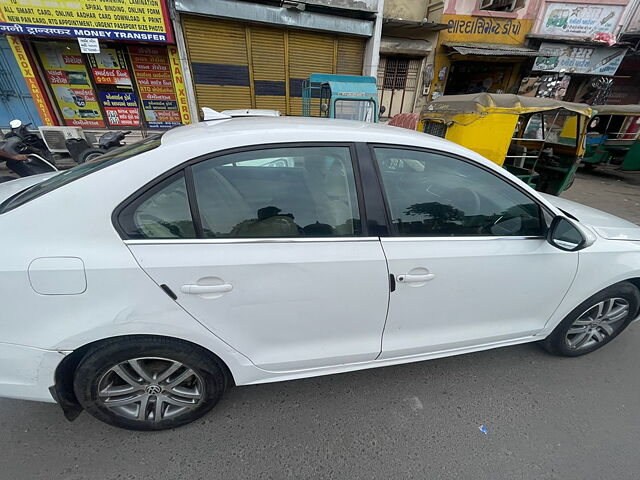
(132, 20)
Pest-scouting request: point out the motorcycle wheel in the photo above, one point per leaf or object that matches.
(90, 154)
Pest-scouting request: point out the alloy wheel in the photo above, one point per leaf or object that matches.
(597, 323)
(150, 389)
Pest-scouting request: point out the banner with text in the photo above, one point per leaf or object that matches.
(132, 20)
(559, 57)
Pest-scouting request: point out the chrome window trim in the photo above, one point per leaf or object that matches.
(203, 241)
(462, 238)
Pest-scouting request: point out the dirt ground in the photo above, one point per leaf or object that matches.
(608, 189)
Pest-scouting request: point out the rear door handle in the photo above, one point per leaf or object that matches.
(200, 289)
(415, 278)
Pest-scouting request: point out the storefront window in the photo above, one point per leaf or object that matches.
(70, 83)
(118, 87)
(115, 88)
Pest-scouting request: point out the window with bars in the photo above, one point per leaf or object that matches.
(395, 73)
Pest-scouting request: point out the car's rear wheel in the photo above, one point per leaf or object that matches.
(595, 322)
(148, 383)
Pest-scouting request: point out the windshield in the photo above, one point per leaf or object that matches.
(362, 110)
(554, 127)
(64, 178)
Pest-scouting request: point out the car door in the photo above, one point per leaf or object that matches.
(468, 253)
(265, 247)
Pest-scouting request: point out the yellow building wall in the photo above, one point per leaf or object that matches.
(468, 28)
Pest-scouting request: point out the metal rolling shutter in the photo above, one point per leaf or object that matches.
(235, 65)
(269, 72)
(219, 63)
(350, 55)
(308, 53)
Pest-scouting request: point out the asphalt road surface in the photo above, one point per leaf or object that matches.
(546, 417)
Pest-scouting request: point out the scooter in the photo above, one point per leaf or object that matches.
(33, 144)
(34, 165)
(81, 151)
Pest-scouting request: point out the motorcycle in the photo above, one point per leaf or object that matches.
(82, 151)
(34, 165)
(32, 143)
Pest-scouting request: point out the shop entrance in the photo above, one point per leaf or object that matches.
(15, 98)
(481, 76)
(120, 87)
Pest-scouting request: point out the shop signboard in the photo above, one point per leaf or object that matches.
(580, 20)
(109, 67)
(153, 77)
(467, 28)
(133, 20)
(178, 82)
(558, 57)
(121, 108)
(71, 86)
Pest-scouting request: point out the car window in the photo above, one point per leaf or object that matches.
(431, 194)
(162, 212)
(280, 192)
(115, 156)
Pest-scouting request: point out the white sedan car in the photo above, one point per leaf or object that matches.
(240, 251)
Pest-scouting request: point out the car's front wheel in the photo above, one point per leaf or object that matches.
(148, 383)
(595, 322)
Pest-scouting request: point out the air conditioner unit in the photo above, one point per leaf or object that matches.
(54, 137)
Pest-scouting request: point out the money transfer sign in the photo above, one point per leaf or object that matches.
(131, 20)
(559, 57)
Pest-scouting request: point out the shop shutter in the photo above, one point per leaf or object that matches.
(308, 53)
(350, 55)
(219, 62)
(269, 72)
(228, 75)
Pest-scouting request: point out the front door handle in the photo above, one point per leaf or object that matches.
(200, 289)
(415, 278)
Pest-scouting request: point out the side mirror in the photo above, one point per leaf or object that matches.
(324, 108)
(15, 123)
(569, 235)
(383, 109)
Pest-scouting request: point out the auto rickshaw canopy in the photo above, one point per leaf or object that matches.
(486, 103)
(626, 110)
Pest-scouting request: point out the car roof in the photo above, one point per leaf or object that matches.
(207, 135)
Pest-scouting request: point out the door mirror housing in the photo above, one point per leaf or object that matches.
(569, 235)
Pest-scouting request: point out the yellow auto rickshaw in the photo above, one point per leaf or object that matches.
(540, 140)
(612, 137)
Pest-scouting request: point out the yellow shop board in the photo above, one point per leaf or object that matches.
(69, 80)
(137, 20)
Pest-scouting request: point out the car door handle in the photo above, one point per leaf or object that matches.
(200, 289)
(415, 278)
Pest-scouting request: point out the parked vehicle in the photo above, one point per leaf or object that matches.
(34, 165)
(82, 151)
(164, 272)
(348, 97)
(612, 137)
(540, 140)
(31, 143)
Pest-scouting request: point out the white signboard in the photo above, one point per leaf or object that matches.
(89, 45)
(560, 57)
(580, 20)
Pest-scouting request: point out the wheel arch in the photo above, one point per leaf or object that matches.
(62, 389)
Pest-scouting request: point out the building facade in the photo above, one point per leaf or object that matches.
(243, 54)
(98, 64)
(484, 46)
(579, 50)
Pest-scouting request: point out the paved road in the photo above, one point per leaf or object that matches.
(547, 418)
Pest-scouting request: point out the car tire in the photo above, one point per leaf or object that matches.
(148, 383)
(595, 322)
